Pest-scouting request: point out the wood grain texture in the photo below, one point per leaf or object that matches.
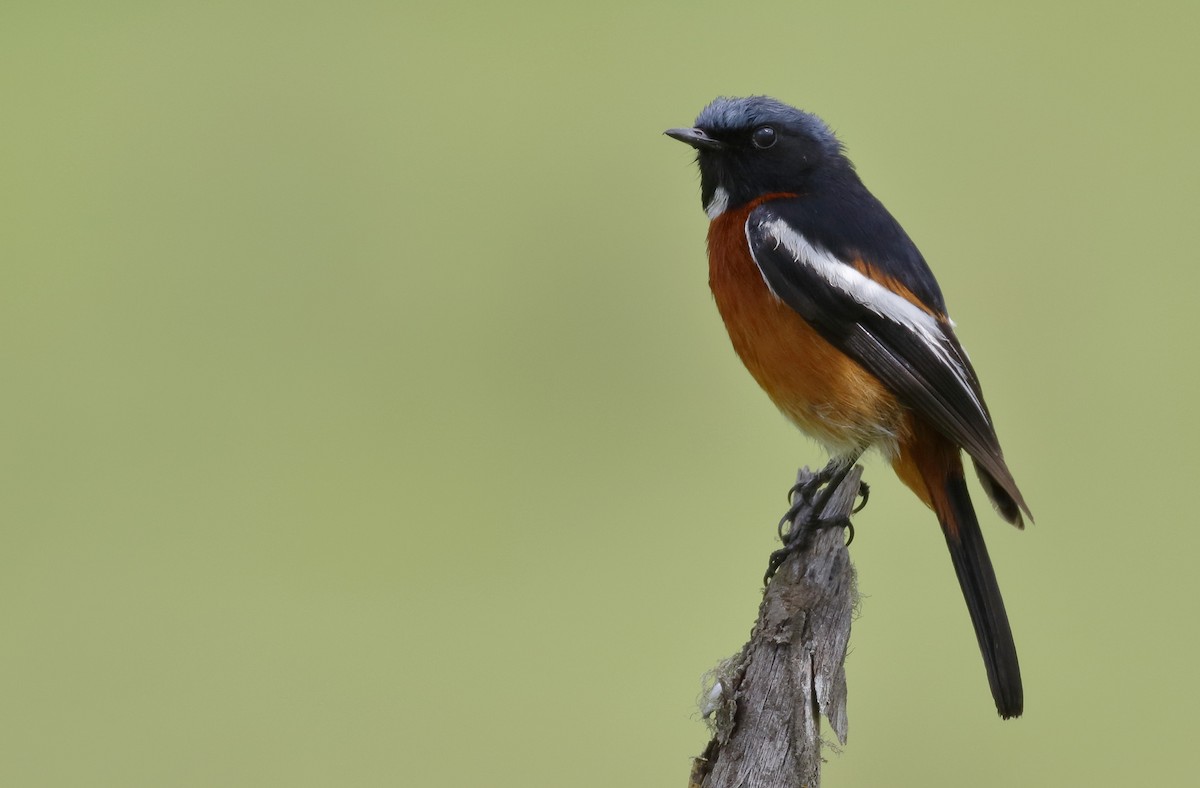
(768, 699)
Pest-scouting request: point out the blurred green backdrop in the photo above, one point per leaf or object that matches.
(367, 421)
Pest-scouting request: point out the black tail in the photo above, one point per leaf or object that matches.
(979, 587)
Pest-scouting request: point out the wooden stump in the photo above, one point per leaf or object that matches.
(767, 700)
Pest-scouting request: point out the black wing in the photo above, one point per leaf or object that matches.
(915, 354)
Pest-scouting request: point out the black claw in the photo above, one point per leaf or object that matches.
(864, 491)
(787, 523)
(774, 563)
(804, 490)
(779, 556)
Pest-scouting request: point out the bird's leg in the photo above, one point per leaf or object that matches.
(815, 492)
(802, 493)
(810, 497)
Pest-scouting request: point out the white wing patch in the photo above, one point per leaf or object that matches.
(868, 293)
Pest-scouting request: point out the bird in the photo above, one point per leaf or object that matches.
(835, 313)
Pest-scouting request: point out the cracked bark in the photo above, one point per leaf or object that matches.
(768, 700)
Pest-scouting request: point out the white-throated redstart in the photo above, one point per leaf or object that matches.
(835, 313)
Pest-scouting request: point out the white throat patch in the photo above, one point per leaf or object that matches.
(718, 204)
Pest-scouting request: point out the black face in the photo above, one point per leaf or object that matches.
(754, 146)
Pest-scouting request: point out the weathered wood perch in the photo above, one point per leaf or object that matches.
(767, 701)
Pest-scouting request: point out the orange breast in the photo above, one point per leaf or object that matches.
(824, 392)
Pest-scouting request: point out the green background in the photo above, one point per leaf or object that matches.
(366, 419)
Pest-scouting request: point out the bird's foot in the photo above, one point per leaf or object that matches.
(803, 518)
(798, 538)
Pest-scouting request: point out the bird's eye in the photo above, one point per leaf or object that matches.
(763, 137)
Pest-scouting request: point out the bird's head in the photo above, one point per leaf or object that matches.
(749, 147)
